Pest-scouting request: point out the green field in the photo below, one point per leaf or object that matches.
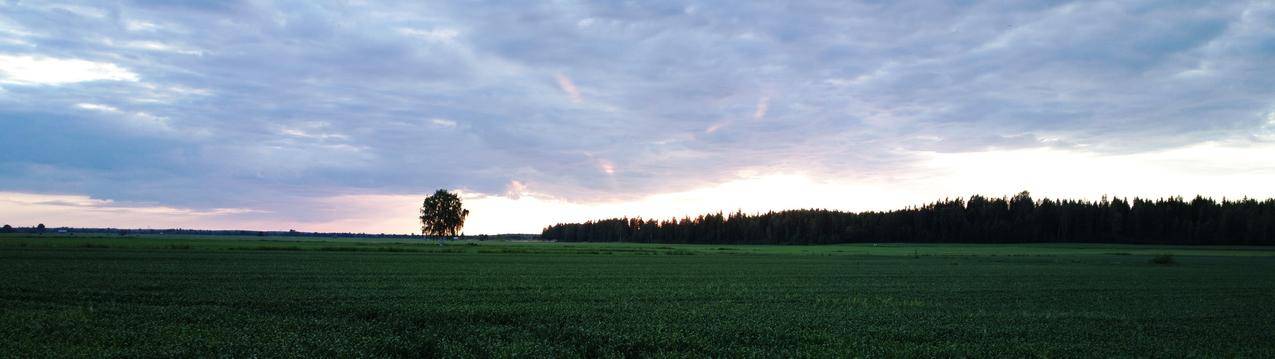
(226, 296)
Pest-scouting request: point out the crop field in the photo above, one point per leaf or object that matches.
(230, 296)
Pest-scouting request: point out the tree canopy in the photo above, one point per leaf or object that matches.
(442, 214)
(1018, 219)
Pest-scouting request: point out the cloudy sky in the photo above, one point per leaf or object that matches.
(341, 116)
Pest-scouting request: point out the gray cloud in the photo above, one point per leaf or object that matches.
(236, 102)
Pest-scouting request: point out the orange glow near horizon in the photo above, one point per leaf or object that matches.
(1210, 169)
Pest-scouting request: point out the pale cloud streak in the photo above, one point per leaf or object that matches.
(162, 47)
(607, 167)
(141, 120)
(432, 35)
(140, 25)
(442, 122)
(569, 88)
(763, 105)
(42, 70)
(97, 107)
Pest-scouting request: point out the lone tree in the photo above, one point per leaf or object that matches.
(442, 214)
(39, 228)
(6, 229)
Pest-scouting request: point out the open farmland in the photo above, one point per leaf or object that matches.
(210, 296)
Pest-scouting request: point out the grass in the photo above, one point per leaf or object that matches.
(208, 296)
(525, 247)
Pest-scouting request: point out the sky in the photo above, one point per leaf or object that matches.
(343, 115)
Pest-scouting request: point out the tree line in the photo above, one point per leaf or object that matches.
(979, 219)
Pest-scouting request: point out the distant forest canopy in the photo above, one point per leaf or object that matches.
(1018, 219)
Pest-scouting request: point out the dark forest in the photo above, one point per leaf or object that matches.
(979, 219)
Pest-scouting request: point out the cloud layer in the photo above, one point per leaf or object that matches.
(275, 107)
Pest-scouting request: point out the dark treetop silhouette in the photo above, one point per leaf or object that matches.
(978, 220)
(442, 214)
